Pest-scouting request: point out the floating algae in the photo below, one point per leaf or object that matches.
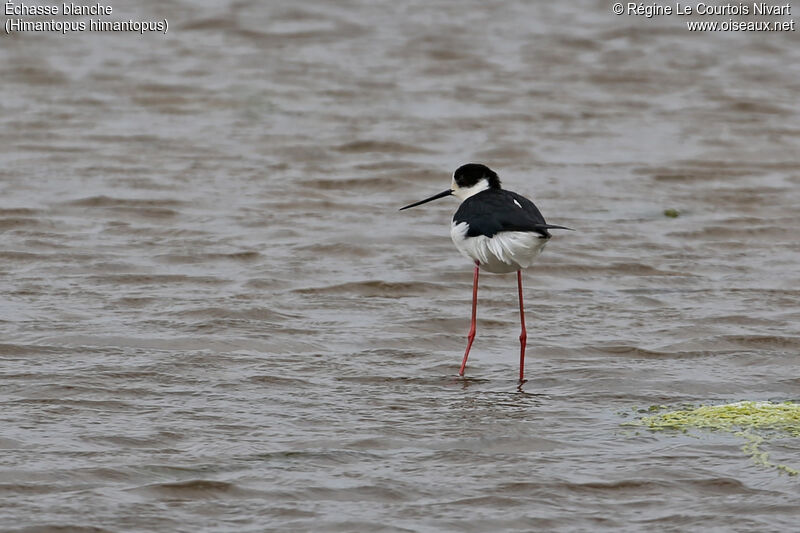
(741, 419)
(745, 415)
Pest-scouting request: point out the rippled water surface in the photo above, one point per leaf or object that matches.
(214, 318)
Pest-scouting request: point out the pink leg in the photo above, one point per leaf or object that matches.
(471, 334)
(523, 336)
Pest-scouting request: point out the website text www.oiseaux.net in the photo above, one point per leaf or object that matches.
(740, 25)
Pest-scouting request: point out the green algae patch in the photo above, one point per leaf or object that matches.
(743, 415)
(749, 420)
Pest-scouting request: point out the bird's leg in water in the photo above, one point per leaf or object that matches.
(523, 336)
(471, 334)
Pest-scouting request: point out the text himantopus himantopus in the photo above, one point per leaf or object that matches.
(499, 230)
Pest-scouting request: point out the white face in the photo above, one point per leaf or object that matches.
(462, 193)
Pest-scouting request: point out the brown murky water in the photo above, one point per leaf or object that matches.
(214, 318)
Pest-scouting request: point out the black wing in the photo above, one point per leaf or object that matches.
(494, 210)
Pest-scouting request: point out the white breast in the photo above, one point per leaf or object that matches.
(506, 251)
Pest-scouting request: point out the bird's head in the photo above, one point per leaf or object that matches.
(468, 180)
(473, 178)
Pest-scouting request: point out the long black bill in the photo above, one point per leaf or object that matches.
(442, 194)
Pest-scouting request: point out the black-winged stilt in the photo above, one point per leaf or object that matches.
(499, 230)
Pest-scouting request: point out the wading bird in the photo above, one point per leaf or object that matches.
(499, 230)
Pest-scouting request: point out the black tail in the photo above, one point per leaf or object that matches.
(552, 226)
